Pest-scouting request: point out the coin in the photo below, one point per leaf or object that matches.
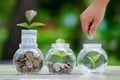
(39, 59)
(56, 67)
(29, 54)
(25, 69)
(36, 55)
(60, 64)
(29, 64)
(90, 37)
(21, 56)
(19, 64)
(36, 63)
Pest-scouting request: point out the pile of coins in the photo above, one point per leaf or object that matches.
(29, 62)
(60, 68)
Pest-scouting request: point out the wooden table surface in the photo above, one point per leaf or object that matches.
(8, 72)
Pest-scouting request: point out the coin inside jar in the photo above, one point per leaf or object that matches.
(29, 54)
(36, 55)
(60, 67)
(29, 64)
(36, 63)
(25, 69)
(56, 67)
(21, 56)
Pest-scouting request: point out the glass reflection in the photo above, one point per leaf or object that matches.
(93, 77)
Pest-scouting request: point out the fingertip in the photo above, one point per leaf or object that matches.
(92, 30)
(90, 33)
(85, 31)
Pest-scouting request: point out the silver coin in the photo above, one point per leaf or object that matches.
(29, 64)
(60, 64)
(56, 67)
(90, 37)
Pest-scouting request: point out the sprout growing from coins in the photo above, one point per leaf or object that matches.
(60, 58)
(30, 14)
(28, 58)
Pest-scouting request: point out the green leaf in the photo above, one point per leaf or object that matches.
(23, 25)
(34, 24)
(96, 57)
(60, 56)
(92, 61)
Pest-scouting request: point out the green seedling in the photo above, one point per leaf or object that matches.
(93, 60)
(60, 56)
(30, 14)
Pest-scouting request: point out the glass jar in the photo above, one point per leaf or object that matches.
(60, 58)
(92, 58)
(28, 58)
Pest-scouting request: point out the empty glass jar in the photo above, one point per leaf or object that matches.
(92, 58)
(28, 58)
(60, 58)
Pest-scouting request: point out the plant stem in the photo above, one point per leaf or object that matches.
(92, 61)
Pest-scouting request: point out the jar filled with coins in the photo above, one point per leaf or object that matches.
(28, 58)
(92, 58)
(60, 58)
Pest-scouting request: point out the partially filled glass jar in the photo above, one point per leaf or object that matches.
(28, 58)
(60, 58)
(92, 58)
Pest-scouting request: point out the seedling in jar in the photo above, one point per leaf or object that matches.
(93, 60)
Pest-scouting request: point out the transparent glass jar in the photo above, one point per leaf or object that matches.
(60, 58)
(92, 58)
(28, 58)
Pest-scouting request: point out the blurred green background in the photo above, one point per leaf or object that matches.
(62, 21)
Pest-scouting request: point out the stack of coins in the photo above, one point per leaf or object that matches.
(60, 68)
(29, 62)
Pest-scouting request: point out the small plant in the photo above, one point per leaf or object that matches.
(93, 60)
(60, 56)
(30, 14)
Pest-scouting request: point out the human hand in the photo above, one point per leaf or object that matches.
(92, 16)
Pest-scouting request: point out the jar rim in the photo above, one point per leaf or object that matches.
(29, 32)
(60, 45)
(88, 45)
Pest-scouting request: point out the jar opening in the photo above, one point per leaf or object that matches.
(29, 32)
(60, 45)
(89, 45)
